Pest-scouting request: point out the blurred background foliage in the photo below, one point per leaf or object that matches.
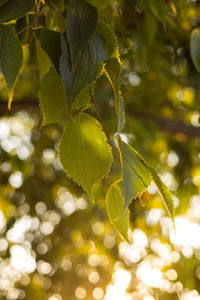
(56, 245)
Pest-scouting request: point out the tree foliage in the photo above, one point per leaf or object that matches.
(106, 72)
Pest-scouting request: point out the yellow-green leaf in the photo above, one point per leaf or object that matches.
(158, 8)
(115, 204)
(136, 176)
(164, 191)
(52, 99)
(43, 60)
(84, 152)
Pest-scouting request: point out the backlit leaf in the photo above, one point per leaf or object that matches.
(43, 60)
(121, 117)
(195, 48)
(164, 191)
(52, 99)
(136, 176)
(11, 58)
(83, 100)
(81, 25)
(112, 71)
(84, 152)
(87, 68)
(110, 38)
(115, 204)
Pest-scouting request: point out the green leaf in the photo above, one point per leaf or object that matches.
(112, 71)
(195, 48)
(136, 176)
(84, 152)
(15, 9)
(121, 117)
(43, 60)
(11, 58)
(87, 68)
(115, 204)
(99, 4)
(52, 99)
(110, 38)
(158, 8)
(81, 26)
(83, 100)
(164, 191)
(51, 44)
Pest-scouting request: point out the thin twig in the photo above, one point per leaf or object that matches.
(102, 124)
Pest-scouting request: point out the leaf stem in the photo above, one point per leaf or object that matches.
(102, 125)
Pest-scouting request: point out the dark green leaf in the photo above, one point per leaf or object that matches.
(15, 9)
(84, 153)
(51, 43)
(115, 204)
(81, 26)
(195, 48)
(87, 68)
(52, 99)
(136, 176)
(11, 58)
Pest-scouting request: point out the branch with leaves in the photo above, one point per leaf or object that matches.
(70, 63)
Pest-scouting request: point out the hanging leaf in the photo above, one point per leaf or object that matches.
(99, 4)
(136, 176)
(11, 58)
(83, 100)
(84, 153)
(112, 71)
(15, 9)
(195, 48)
(115, 204)
(121, 117)
(164, 191)
(158, 8)
(110, 38)
(81, 26)
(52, 99)
(87, 68)
(43, 60)
(50, 43)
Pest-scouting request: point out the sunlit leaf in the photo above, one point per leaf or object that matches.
(83, 100)
(84, 152)
(121, 117)
(195, 48)
(52, 99)
(42, 59)
(110, 38)
(164, 191)
(136, 176)
(81, 25)
(87, 68)
(112, 71)
(11, 58)
(115, 204)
